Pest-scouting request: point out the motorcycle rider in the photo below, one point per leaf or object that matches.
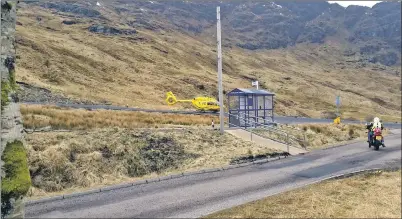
(373, 125)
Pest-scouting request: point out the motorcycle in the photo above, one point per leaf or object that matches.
(376, 139)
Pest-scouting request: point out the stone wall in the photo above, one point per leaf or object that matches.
(11, 125)
(8, 21)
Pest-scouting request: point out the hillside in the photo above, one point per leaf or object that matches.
(133, 52)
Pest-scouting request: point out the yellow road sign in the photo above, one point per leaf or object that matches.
(337, 120)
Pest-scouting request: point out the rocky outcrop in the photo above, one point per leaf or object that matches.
(257, 24)
(382, 22)
(72, 8)
(102, 29)
(7, 53)
(69, 22)
(386, 58)
(11, 124)
(31, 94)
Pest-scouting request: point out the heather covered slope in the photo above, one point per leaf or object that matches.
(133, 52)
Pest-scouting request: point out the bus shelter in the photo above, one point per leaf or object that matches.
(250, 108)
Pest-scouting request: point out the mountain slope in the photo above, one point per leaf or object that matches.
(133, 52)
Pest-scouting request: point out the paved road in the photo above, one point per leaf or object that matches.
(278, 119)
(120, 108)
(202, 194)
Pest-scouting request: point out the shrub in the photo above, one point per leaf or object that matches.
(17, 180)
(161, 153)
(351, 132)
(316, 128)
(6, 88)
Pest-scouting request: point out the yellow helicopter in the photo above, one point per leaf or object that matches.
(200, 103)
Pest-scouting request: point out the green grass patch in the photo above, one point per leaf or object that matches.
(17, 181)
(5, 90)
(13, 83)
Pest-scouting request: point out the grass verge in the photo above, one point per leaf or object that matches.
(77, 160)
(17, 180)
(371, 195)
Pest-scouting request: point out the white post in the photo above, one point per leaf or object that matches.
(255, 83)
(218, 35)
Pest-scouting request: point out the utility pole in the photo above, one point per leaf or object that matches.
(1, 48)
(218, 35)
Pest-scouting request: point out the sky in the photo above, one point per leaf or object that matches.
(361, 3)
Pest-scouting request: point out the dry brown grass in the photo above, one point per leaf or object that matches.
(78, 160)
(364, 196)
(130, 71)
(35, 116)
